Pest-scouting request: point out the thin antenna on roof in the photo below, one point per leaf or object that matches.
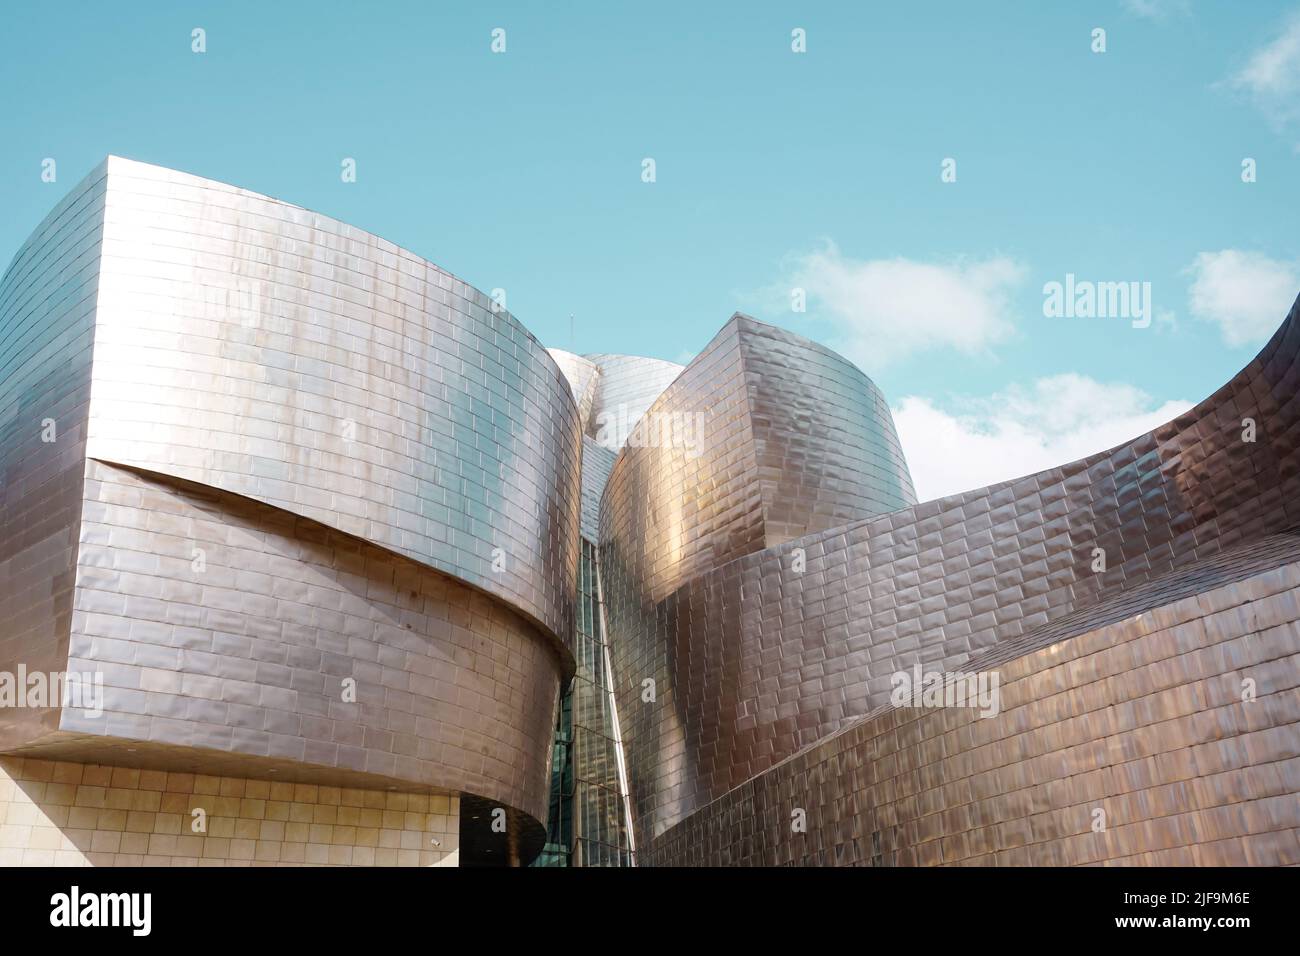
(571, 342)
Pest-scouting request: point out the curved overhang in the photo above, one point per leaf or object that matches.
(276, 353)
(309, 505)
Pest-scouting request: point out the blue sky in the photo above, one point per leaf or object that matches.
(774, 170)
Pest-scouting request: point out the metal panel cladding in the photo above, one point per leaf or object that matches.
(756, 652)
(306, 503)
(276, 353)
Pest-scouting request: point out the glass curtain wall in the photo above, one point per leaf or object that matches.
(587, 822)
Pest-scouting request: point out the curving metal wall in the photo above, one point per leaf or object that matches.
(825, 448)
(313, 507)
(276, 353)
(626, 385)
(1130, 742)
(582, 375)
(238, 637)
(763, 655)
(597, 463)
(766, 436)
(310, 506)
(47, 317)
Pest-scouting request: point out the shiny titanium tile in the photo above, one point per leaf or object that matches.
(759, 643)
(307, 503)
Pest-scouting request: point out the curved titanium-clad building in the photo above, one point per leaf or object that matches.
(307, 504)
(1140, 606)
(310, 555)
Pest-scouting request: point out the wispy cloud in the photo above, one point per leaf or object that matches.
(1157, 9)
(1271, 76)
(884, 309)
(1021, 430)
(1246, 294)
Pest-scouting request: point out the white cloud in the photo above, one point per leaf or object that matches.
(1021, 430)
(887, 308)
(1246, 294)
(1271, 76)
